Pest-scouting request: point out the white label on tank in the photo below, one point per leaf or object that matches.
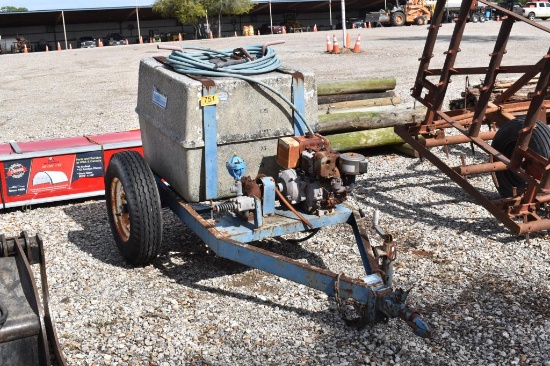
(223, 96)
(159, 99)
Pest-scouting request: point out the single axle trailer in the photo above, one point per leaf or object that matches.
(237, 166)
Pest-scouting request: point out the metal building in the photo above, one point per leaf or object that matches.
(65, 27)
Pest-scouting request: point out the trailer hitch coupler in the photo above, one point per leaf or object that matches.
(419, 327)
(393, 305)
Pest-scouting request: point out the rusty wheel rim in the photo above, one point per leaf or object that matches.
(119, 208)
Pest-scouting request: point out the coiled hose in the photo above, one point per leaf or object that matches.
(262, 59)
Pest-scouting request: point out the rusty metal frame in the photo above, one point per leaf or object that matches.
(520, 213)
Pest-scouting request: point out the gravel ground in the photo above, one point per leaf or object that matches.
(485, 292)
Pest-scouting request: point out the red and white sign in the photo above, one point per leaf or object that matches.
(60, 169)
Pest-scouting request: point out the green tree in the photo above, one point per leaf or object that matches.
(12, 9)
(185, 11)
(229, 7)
(193, 11)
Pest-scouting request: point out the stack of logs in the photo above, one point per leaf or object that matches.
(358, 114)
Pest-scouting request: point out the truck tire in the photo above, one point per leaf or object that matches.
(397, 19)
(474, 18)
(531, 16)
(133, 207)
(482, 18)
(505, 141)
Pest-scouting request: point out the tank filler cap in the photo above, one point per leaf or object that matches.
(236, 167)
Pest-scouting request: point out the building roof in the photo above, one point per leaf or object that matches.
(121, 14)
(75, 16)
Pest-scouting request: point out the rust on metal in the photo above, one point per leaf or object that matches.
(520, 213)
(119, 207)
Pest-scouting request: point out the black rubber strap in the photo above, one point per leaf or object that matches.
(3, 314)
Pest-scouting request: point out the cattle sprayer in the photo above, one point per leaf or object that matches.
(237, 165)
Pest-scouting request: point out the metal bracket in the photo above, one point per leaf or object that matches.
(298, 99)
(268, 195)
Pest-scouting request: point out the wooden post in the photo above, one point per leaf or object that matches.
(373, 118)
(364, 139)
(356, 86)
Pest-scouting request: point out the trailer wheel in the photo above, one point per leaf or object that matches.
(133, 207)
(505, 141)
(475, 18)
(397, 19)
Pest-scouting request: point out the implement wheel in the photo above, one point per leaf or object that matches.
(133, 206)
(505, 141)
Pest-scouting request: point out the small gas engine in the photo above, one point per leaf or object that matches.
(315, 176)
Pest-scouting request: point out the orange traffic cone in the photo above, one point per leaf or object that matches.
(353, 26)
(284, 29)
(357, 47)
(100, 43)
(335, 47)
(258, 32)
(140, 40)
(329, 44)
(180, 38)
(58, 46)
(47, 48)
(126, 41)
(235, 33)
(498, 18)
(348, 41)
(25, 50)
(369, 26)
(70, 46)
(211, 36)
(315, 27)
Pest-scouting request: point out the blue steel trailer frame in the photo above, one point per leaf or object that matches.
(229, 236)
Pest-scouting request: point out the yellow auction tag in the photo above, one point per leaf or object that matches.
(209, 100)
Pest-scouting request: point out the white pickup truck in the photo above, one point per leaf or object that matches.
(536, 9)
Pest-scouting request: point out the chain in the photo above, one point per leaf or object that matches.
(337, 294)
(357, 322)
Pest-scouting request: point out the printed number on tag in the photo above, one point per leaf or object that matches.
(209, 100)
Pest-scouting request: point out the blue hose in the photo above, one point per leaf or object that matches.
(198, 63)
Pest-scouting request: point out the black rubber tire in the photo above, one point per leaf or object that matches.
(531, 16)
(482, 18)
(505, 141)
(133, 207)
(397, 19)
(474, 18)
(420, 20)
